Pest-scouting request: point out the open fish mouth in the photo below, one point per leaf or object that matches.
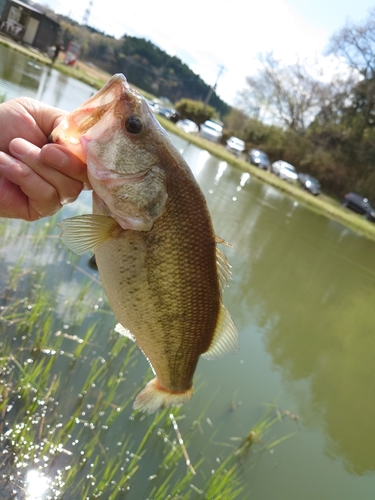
(73, 129)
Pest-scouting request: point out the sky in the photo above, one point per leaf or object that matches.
(210, 34)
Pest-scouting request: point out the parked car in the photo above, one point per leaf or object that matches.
(153, 105)
(284, 170)
(235, 146)
(359, 204)
(258, 158)
(211, 130)
(169, 113)
(309, 183)
(188, 126)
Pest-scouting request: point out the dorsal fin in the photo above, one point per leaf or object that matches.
(224, 268)
(225, 340)
(84, 232)
(222, 242)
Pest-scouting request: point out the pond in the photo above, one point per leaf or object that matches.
(290, 416)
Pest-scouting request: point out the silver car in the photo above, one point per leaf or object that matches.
(211, 130)
(187, 126)
(284, 170)
(235, 146)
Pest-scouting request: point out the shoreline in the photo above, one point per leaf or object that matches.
(321, 204)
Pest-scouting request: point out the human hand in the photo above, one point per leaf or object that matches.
(36, 178)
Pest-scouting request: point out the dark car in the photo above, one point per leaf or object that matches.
(258, 158)
(309, 183)
(359, 204)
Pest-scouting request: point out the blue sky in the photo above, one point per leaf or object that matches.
(331, 15)
(206, 34)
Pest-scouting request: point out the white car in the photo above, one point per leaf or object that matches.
(235, 146)
(188, 126)
(284, 170)
(211, 130)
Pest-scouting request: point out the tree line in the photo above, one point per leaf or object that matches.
(145, 65)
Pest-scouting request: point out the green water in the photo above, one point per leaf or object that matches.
(302, 297)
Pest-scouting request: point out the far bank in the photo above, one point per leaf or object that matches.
(323, 204)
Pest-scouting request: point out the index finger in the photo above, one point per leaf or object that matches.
(46, 117)
(63, 160)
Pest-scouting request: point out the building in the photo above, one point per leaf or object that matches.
(28, 25)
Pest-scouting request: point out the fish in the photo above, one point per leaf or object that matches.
(153, 240)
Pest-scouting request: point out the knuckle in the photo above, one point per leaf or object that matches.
(24, 174)
(47, 204)
(72, 193)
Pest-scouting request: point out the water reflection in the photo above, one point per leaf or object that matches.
(319, 299)
(299, 276)
(244, 178)
(220, 171)
(37, 485)
(29, 78)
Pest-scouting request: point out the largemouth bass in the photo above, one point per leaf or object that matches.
(153, 240)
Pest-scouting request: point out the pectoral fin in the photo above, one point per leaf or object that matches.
(225, 340)
(84, 232)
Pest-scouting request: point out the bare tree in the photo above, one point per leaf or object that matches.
(286, 94)
(356, 43)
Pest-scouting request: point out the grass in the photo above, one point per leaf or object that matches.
(67, 384)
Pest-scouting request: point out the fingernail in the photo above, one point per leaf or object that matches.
(20, 147)
(54, 156)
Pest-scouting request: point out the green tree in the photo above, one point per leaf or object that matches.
(195, 110)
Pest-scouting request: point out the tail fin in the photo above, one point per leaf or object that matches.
(154, 397)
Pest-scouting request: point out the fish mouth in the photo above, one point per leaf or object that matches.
(113, 177)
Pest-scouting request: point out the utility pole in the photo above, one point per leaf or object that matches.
(213, 88)
(87, 13)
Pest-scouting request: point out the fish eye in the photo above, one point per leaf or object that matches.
(134, 124)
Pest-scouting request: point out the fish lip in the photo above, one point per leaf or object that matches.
(113, 175)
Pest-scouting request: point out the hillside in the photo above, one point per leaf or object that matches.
(145, 65)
